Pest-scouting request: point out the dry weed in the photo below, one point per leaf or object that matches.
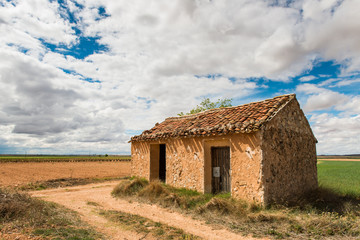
(129, 187)
(20, 213)
(154, 190)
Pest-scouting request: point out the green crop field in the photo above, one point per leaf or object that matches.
(62, 158)
(341, 176)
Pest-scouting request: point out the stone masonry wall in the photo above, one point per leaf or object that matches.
(246, 173)
(188, 163)
(184, 162)
(289, 155)
(140, 159)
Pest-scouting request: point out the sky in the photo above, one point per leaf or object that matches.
(82, 77)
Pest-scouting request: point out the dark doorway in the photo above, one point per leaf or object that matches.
(220, 161)
(162, 162)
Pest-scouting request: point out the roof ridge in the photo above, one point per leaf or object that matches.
(246, 118)
(223, 108)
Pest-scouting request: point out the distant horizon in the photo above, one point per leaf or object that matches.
(356, 154)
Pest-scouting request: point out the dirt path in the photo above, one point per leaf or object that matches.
(76, 198)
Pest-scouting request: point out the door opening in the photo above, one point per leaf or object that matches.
(162, 162)
(220, 162)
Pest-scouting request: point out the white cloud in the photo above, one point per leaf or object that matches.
(351, 107)
(307, 78)
(48, 108)
(178, 37)
(39, 19)
(331, 29)
(336, 135)
(320, 98)
(339, 82)
(328, 82)
(347, 82)
(156, 50)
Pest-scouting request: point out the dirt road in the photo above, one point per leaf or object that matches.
(77, 199)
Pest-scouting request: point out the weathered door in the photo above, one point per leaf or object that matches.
(221, 179)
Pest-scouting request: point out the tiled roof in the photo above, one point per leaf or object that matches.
(240, 119)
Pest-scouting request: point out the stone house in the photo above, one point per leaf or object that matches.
(262, 151)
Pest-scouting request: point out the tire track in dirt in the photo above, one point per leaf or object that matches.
(76, 198)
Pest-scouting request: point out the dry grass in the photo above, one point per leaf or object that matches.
(321, 214)
(63, 182)
(19, 213)
(129, 187)
(146, 226)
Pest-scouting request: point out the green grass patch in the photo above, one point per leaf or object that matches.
(146, 226)
(23, 214)
(343, 177)
(318, 215)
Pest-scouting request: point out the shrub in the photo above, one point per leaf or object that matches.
(129, 187)
(154, 190)
(14, 205)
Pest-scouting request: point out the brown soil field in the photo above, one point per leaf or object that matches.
(12, 174)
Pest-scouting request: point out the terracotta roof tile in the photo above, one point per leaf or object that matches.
(244, 118)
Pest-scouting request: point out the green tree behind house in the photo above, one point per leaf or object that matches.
(207, 104)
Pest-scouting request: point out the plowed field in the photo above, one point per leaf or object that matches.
(22, 173)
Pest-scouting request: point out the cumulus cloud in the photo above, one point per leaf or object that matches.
(43, 105)
(331, 29)
(320, 98)
(234, 41)
(336, 135)
(161, 58)
(38, 19)
(307, 78)
(351, 107)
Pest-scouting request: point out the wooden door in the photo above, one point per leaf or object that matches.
(221, 179)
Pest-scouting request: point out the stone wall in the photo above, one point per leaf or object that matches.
(245, 162)
(188, 163)
(140, 159)
(289, 155)
(184, 161)
(246, 173)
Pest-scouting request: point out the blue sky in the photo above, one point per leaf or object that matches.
(82, 77)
